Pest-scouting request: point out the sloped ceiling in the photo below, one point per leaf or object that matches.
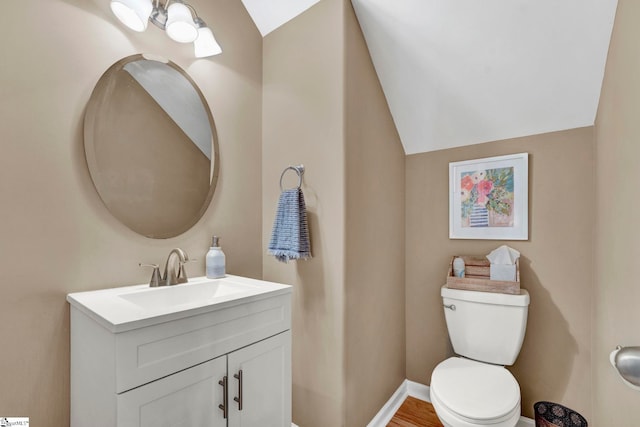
(270, 14)
(461, 72)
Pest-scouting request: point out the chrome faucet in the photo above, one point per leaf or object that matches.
(175, 273)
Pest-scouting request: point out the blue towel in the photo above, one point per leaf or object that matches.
(290, 235)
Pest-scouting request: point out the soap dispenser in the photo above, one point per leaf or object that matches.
(215, 260)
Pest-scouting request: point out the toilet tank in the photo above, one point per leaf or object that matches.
(486, 326)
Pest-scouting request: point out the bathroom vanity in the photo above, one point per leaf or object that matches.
(205, 353)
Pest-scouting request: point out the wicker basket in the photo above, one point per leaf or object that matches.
(477, 273)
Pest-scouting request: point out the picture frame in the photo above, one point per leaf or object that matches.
(489, 198)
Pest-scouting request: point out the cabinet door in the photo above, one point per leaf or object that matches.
(266, 383)
(188, 398)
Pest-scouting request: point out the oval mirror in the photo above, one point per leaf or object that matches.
(151, 146)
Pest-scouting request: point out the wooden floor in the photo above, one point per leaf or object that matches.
(415, 413)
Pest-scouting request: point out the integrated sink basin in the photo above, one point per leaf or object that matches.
(189, 293)
(129, 307)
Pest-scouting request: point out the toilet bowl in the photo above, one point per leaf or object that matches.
(467, 393)
(486, 330)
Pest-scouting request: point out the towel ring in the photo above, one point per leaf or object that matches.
(297, 169)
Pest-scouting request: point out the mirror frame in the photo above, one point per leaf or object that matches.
(91, 116)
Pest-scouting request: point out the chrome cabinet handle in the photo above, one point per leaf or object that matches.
(451, 307)
(238, 399)
(225, 404)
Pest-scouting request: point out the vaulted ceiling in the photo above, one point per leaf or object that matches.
(270, 14)
(461, 72)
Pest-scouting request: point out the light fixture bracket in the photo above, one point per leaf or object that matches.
(159, 16)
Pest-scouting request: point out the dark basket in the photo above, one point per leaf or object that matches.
(549, 414)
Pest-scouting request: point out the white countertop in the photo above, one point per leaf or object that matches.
(130, 307)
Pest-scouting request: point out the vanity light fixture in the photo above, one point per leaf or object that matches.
(133, 13)
(205, 44)
(173, 16)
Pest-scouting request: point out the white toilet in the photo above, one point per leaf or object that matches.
(487, 330)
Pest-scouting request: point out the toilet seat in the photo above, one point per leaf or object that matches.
(475, 393)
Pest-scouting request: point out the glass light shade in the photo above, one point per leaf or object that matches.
(206, 44)
(132, 13)
(180, 25)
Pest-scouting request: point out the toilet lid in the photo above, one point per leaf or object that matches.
(475, 390)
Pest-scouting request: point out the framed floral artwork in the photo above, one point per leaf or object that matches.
(489, 198)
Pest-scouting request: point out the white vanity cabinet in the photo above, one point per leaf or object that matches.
(226, 364)
(187, 398)
(197, 396)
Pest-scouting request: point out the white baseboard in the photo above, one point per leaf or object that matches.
(419, 391)
(387, 412)
(526, 422)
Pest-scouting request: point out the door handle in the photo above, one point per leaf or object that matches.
(238, 399)
(225, 404)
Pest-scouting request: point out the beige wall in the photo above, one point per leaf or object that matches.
(323, 107)
(556, 265)
(57, 237)
(303, 122)
(374, 288)
(617, 292)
